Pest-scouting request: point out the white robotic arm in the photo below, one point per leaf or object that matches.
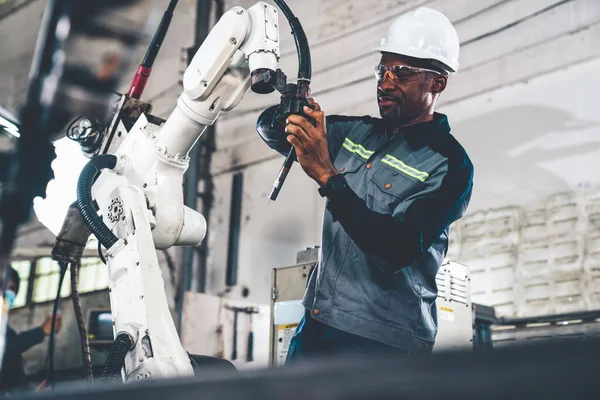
(141, 198)
(219, 74)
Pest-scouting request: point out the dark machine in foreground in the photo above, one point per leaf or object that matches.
(548, 371)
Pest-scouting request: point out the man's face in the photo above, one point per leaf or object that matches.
(403, 100)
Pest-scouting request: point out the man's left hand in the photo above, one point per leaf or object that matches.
(310, 142)
(47, 325)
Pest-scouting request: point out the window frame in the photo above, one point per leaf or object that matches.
(31, 280)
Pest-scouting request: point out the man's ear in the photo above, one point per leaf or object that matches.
(438, 84)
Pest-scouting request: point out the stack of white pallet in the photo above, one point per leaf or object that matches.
(591, 264)
(551, 254)
(566, 221)
(536, 261)
(489, 247)
(472, 229)
(533, 266)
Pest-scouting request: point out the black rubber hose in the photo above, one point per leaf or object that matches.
(302, 47)
(304, 61)
(100, 255)
(85, 202)
(83, 336)
(52, 341)
(116, 358)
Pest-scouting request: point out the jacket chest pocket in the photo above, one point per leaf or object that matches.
(388, 187)
(348, 163)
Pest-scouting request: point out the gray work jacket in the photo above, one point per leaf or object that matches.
(385, 237)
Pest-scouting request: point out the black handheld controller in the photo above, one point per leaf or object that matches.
(293, 101)
(293, 96)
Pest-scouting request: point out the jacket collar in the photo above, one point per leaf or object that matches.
(421, 134)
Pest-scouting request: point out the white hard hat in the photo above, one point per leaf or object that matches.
(426, 34)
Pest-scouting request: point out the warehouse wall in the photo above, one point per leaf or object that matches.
(520, 105)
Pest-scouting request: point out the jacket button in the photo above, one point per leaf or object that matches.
(342, 169)
(315, 311)
(387, 186)
(369, 165)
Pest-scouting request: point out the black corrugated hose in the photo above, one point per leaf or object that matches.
(302, 47)
(84, 339)
(52, 341)
(85, 201)
(116, 358)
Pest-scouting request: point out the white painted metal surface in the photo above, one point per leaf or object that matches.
(454, 308)
(138, 302)
(160, 175)
(262, 45)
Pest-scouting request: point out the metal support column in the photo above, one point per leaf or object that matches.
(193, 174)
(207, 147)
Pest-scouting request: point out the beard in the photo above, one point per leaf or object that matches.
(393, 116)
(391, 112)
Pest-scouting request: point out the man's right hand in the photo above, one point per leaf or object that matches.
(47, 325)
(310, 142)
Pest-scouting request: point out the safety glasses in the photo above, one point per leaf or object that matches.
(400, 73)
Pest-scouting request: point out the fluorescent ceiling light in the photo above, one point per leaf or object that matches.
(9, 127)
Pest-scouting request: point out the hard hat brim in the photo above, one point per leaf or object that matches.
(420, 54)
